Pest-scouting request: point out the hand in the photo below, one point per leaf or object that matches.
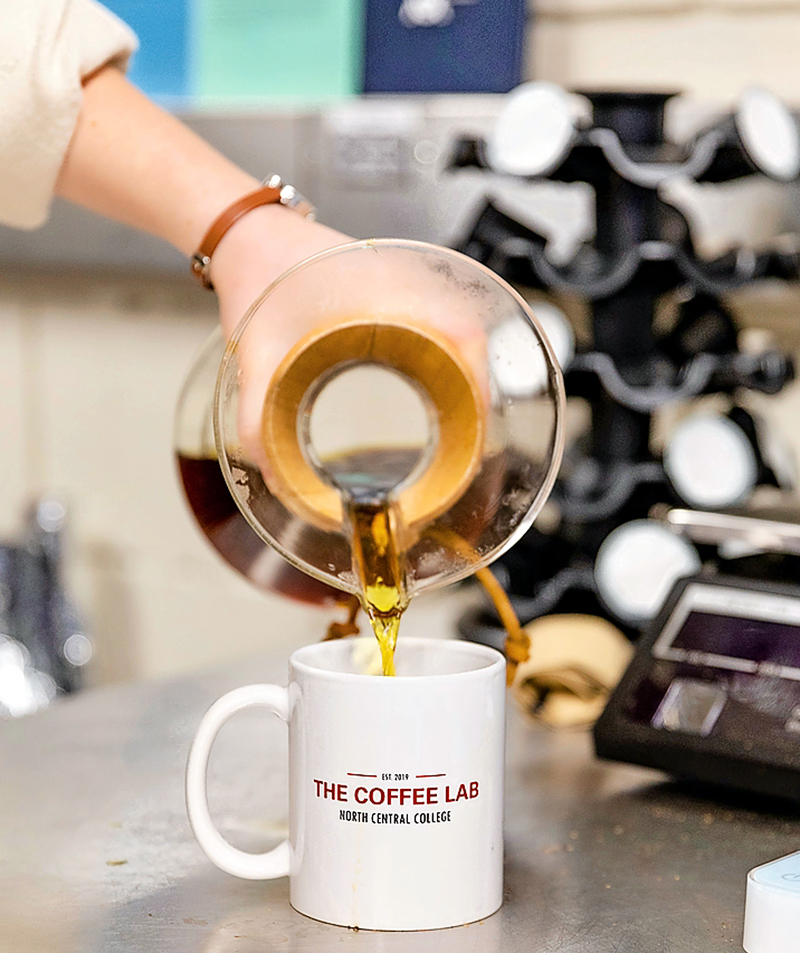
(257, 250)
(390, 283)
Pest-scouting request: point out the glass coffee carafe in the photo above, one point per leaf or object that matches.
(379, 373)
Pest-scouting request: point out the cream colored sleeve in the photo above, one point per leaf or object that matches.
(46, 48)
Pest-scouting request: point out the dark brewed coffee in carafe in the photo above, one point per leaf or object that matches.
(365, 479)
(228, 531)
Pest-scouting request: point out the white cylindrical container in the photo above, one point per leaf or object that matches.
(395, 784)
(772, 906)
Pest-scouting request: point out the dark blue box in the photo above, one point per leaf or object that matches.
(443, 46)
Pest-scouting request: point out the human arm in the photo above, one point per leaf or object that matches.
(133, 162)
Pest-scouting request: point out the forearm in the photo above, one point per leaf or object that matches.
(135, 163)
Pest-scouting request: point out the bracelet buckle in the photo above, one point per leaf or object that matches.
(273, 191)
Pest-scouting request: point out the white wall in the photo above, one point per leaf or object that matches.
(91, 369)
(708, 48)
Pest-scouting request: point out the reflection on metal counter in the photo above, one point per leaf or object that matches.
(601, 858)
(43, 646)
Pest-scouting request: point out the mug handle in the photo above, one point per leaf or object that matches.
(270, 865)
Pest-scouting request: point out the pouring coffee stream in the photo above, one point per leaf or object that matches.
(372, 519)
(230, 534)
(379, 563)
(382, 496)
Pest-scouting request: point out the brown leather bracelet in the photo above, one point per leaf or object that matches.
(272, 193)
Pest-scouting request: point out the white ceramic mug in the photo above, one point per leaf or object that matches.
(395, 784)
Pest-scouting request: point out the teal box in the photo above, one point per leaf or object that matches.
(294, 51)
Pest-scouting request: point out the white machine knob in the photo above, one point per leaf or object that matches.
(710, 462)
(772, 907)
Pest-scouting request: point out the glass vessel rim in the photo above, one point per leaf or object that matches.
(555, 381)
(488, 660)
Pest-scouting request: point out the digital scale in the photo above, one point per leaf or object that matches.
(713, 692)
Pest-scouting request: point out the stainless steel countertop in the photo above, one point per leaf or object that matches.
(96, 852)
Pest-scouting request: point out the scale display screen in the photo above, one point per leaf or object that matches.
(714, 690)
(737, 630)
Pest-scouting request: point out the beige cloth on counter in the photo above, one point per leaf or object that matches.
(575, 663)
(46, 48)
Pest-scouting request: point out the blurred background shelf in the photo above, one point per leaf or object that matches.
(98, 325)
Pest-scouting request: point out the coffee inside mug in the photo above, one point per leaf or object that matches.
(415, 658)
